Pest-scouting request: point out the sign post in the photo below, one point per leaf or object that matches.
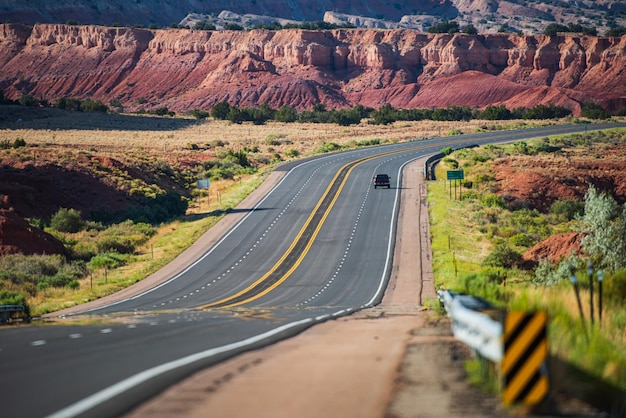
(204, 184)
(455, 175)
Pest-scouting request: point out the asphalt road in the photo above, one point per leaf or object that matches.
(318, 246)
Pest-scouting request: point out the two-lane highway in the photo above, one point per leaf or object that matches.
(317, 246)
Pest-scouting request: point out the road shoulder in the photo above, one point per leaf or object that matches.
(393, 360)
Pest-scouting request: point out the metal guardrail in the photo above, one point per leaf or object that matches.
(8, 313)
(472, 326)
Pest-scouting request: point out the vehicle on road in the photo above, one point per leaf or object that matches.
(382, 180)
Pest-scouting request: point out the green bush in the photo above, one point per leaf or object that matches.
(327, 147)
(502, 256)
(522, 240)
(10, 297)
(36, 272)
(200, 114)
(67, 220)
(454, 164)
(567, 209)
(492, 200)
(19, 142)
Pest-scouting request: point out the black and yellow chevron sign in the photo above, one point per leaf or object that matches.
(524, 365)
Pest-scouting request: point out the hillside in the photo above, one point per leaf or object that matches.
(488, 16)
(181, 69)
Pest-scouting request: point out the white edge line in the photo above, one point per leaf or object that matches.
(391, 243)
(139, 378)
(178, 275)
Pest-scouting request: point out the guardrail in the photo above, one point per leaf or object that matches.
(429, 166)
(433, 160)
(12, 312)
(472, 326)
(515, 341)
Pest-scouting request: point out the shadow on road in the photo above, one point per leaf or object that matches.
(22, 117)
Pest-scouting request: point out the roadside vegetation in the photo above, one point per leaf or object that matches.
(479, 240)
(108, 248)
(384, 115)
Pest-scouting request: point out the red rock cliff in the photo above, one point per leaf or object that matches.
(184, 69)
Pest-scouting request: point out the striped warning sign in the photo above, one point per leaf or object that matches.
(524, 365)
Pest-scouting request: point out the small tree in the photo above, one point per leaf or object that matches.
(220, 110)
(604, 226)
(67, 220)
(105, 261)
(502, 256)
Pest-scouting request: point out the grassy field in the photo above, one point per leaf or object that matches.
(461, 242)
(127, 137)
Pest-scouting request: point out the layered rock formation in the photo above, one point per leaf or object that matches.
(185, 69)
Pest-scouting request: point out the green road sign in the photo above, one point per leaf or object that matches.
(455, 175)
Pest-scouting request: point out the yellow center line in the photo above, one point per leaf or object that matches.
(303, 229)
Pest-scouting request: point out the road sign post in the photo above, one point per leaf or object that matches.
(204, 184)
(455, 175)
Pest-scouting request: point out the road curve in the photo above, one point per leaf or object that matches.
(137, 345)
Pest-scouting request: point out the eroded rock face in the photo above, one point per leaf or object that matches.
(186, 69)
(17, 236)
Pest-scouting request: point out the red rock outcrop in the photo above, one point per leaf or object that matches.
(187, 69)
(17, 236)
(555, 248)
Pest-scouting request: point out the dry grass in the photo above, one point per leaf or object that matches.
(119, 132)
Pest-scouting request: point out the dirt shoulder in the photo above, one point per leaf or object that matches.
(393, 360)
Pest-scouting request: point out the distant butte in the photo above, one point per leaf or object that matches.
(190, 69)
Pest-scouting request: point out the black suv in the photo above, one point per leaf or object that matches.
(382, 180)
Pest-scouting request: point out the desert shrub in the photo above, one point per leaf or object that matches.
(368, 142)
(106, 261)
(567, 209)
(292, 152)
(327, 147)
(123, 238)
(286, 114)
(199, 114)
(28, 100)
(547, 274)
(492, 200)
(447, 26)
(522, 240)
(66, 220)
(89, 105)
(496, 113)
(11, 297)
(528, 221)
(19, 143)
(502, 256)
(220, 110)
(451, 162)
(37, 272)
(604, 226)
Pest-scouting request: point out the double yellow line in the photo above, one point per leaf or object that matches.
(260, 288)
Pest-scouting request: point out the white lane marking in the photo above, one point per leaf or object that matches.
(390, 243)
(135, 380)
(38, 342)
(74, 336)
(106, 331)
